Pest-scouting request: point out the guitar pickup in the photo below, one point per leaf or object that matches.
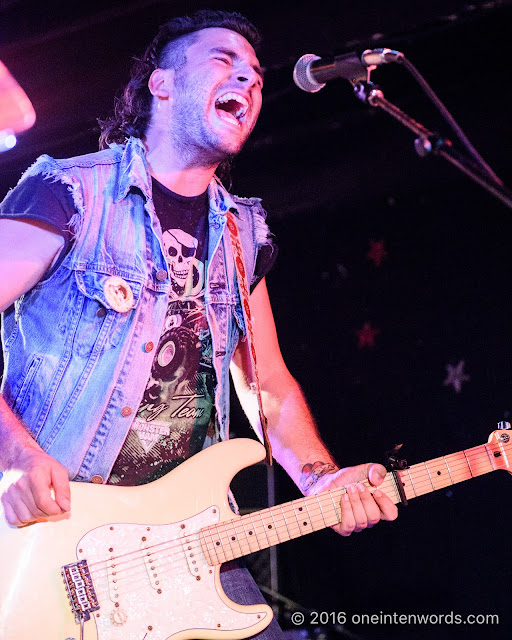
(80, 589)
(151, 561)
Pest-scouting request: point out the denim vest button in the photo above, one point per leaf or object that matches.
(148, 347)
(126, 411)
(97, 480)
(102, 312)
(161, 275)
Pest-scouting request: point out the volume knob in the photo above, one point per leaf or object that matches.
(118, 617)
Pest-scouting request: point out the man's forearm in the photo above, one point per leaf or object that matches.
(295, 440)
(13, 437)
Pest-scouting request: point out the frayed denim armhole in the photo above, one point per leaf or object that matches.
(262, 234)
(50, 169)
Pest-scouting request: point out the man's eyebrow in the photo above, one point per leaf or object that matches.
(235, 56)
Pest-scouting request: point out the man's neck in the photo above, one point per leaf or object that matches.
(174, 172)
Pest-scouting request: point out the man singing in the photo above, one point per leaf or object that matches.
(124, 304)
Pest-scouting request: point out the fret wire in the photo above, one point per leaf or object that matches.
(338, 515)
(309, 515)
(469, 466)
(255, 532)
(313, 501)
(429, 476)
(323, 497)
(209, 529)
(321, 512)
(477, 455)
(231, 522)
(296, 518)
(275, 526)
(284, 520)
(335, 518)
(412, 483)
(264, 528)
(491, 459)
(219, 546)
(291, 508)
(447, 468)
(225, 525)
(242, 530)
(502, 447)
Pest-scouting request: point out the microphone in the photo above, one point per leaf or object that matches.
(312, 72)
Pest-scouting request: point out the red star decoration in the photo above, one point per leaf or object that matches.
(366, 335)
(377, 253)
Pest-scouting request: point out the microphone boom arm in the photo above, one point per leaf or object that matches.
(429, 142)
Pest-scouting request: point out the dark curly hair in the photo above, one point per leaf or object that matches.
(132, 110)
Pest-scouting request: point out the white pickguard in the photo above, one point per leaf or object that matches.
(153, 581)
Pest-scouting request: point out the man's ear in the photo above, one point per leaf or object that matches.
(161, 82)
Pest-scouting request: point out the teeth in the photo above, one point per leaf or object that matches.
(244, 104)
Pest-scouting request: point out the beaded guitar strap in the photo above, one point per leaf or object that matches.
(244, 290)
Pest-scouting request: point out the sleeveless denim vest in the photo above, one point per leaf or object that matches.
(75, 368)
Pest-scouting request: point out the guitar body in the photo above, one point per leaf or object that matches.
(150, 575)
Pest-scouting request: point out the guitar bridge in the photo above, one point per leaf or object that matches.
(81, 593)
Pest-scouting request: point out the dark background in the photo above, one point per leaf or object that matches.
(335, 175)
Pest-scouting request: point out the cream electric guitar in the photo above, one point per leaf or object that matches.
(142, 563)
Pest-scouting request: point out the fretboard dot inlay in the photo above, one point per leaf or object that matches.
(250, 533)
(270, 526)
(305, 524)
(497, 454)
(300, 508)
(233, 538)
(217, 543)
(438, 473)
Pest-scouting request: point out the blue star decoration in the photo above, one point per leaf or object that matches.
(456, 376)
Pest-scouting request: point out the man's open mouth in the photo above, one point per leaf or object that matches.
(232, 107)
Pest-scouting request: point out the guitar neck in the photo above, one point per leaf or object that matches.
(262, 529)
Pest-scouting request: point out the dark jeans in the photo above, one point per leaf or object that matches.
(239, 585)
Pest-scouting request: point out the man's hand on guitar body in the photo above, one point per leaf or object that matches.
(31, 476)
(30, 497)
(361, 507)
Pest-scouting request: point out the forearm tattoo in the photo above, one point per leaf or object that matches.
(311, 473)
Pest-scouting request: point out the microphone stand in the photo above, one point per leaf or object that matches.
(429, 142)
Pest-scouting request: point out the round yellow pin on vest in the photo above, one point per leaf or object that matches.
(118, 294)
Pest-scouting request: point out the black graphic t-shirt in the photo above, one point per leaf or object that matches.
(176, 411)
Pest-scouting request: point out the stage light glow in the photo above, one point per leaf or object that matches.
(7, 140)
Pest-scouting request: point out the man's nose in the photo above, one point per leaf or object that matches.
(247, 75)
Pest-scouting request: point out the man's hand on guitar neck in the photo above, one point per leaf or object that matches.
(361, 508)
(35, 485)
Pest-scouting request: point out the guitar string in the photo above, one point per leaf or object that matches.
(475, 452)
(160, 560)
(238, 525)
(416, 471)
(467, 460)
(162, 569)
